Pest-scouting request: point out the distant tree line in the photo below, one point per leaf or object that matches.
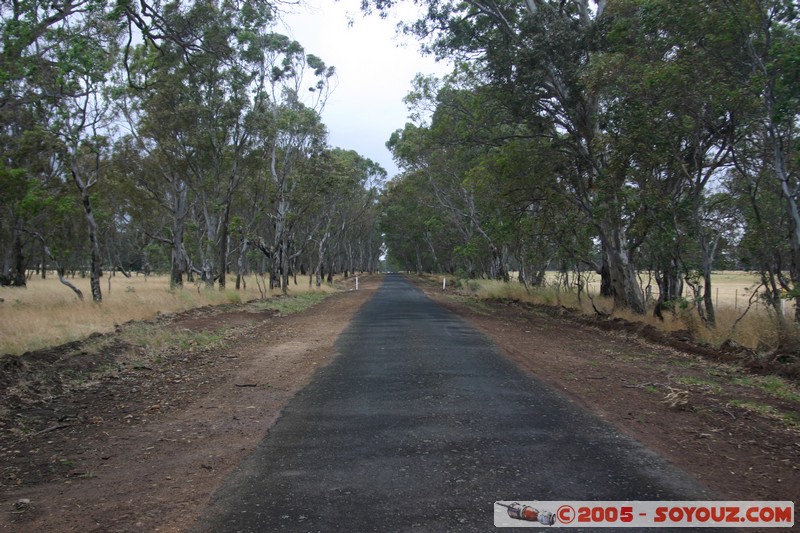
(179, 137)
(623, 137)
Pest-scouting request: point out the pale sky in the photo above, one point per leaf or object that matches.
(374, 69)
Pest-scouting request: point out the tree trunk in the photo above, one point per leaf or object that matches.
(708, 251)
(95, 271)
(792, 211)
(605, 277)
(241, 263)
(178, 261)
(16, 275)
(223, 245)
(670, 286)
(281, 212)
(625, 287)
(284, 270)
(320, 256)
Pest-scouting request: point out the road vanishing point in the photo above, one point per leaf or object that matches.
(421, 423)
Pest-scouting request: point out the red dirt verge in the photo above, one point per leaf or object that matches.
(735, 431)
(118, 440)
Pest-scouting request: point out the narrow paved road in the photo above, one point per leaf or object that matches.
(420, 424)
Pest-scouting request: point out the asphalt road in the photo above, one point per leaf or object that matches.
(421, 424)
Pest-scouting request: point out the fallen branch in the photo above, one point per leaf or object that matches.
(676, 398)
(59, 270)
(643, 385)
(48, 430)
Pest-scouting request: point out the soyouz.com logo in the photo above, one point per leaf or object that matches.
(738, 514)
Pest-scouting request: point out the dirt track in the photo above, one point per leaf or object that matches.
(142, 448)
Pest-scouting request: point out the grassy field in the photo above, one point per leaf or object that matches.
(47, 313)
(732, 290)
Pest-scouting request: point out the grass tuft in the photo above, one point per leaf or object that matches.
(774, 386)
(790, 419)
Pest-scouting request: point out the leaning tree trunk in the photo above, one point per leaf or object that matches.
(59, 269)
(792, 210)
(95, 271)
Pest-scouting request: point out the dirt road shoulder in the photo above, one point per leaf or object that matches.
(142, 447)
(736, 432)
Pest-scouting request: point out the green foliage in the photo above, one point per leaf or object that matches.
(577, 137)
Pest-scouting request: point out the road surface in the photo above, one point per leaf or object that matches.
(420, 424)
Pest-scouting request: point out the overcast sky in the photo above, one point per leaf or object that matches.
(374, 69)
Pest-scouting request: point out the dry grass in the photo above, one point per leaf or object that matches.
(731, 288)
(47, 313)
(758, 329)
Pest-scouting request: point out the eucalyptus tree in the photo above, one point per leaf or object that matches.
(675, 113)
(27, 181)
(769, 69)
(434, 180)
(189, 115)
(536, 53)
(294, 133)
(494, 177)
(152, 178)
(695, 89)
(763, 247)
(204, 119)
(57, 63)
(55, 67)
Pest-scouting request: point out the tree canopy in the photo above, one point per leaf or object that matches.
(626, 136)
(177, 136)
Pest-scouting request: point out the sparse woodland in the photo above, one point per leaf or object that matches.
(175, 137)
(615, 137)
